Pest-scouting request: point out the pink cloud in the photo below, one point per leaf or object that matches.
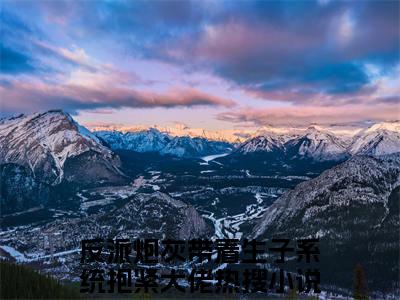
(237, 40)
(303, 94)
(305, 115)
(29, 96)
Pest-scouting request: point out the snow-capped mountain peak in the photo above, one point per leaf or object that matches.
(317, 144)
(264, 143)
(320, 144)
(393, 126)
(43, 142)
(152, 140)
(379, 139)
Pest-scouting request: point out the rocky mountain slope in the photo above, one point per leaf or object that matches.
(266, 143)
(379, 139)
(152, 140)
(354, 209)
(318, 145)
(54, 147)
(40, 152)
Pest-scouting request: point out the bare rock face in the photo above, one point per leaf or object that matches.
(51, 144)
(354, 209)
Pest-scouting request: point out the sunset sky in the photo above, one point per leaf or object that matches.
(209, 64)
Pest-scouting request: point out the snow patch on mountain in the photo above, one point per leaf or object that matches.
(266, 143)
(320, 144)
(379, 139)
(152, 140)
(44, 141)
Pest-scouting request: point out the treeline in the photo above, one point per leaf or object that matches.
(20, 282)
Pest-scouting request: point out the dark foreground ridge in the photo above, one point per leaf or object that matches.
(20, 282)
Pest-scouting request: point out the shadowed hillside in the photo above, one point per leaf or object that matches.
(20, 282)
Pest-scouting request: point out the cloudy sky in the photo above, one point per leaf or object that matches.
(210, 64)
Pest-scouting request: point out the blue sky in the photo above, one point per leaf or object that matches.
(211, 64)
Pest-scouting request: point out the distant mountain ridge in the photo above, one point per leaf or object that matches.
(314, 142)
(320, 145)
(233, 135)
(52, 137)
(152, 140)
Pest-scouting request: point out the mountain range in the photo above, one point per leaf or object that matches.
(314, 142)
(51, 141)
(278, 184)
(152, 140)
(379, 139)
(45, 149)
